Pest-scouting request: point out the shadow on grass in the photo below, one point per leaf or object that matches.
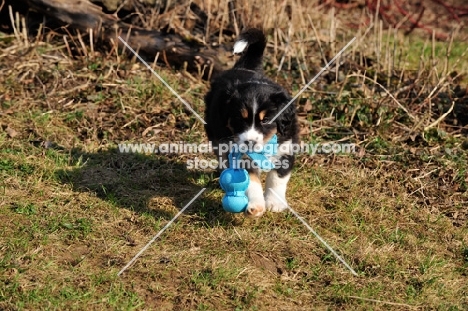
(135, 181)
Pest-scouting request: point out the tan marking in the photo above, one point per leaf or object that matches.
(244, 113)
(254, 177)
(262, 114)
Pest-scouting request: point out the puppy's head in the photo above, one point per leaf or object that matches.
(251, 108)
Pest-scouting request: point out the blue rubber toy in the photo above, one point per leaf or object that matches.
(235, 181)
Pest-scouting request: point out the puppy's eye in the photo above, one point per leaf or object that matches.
(265, 120)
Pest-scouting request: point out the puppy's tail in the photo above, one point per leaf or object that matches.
(251, 43)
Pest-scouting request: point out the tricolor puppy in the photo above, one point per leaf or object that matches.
(239, 108)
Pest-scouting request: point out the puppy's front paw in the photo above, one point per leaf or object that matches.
(255, 209)
(273, 203)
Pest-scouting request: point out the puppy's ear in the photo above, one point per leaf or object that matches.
(285, 122)
(279, 99)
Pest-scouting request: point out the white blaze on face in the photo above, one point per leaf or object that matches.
(252, 135)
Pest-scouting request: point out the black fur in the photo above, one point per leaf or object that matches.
(238, 88)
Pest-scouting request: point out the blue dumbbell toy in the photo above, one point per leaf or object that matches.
(235, 181)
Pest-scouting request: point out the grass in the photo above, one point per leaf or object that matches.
(74, 210)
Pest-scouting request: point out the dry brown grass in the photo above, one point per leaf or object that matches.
(74, 210)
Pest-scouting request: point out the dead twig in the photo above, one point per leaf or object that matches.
(442, 117)
(386, 91)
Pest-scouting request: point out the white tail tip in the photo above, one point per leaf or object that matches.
(240, 46)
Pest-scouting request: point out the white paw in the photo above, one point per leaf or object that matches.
(273, 203)
(255, 209)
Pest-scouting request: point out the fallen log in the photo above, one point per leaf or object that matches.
(173, 49)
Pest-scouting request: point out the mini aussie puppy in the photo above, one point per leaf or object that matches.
(239, 107)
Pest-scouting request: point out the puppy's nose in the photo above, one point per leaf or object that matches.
(250, 143)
